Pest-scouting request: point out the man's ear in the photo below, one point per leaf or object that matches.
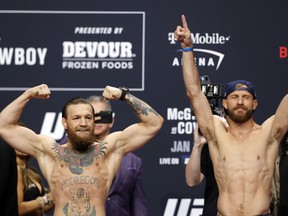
(112, 123)
(224, 103)
(255, 104)
(64, 123)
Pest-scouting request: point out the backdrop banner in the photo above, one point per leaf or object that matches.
(78, 48)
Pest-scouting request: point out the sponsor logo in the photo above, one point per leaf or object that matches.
(283, 52)
(206, 38)
(184, 207)
(205, 57)
(81, 53)
(95, 55)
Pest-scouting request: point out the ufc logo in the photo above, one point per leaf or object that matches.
(52, 125)
(173, 209)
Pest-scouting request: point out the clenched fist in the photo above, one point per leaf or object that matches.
(112, 93)
(40, 91)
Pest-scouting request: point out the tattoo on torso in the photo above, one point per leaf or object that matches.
(80, 204)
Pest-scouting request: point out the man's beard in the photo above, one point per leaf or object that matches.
(78, 143)
(240, 118)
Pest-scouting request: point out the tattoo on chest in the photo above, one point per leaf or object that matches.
(76, 161)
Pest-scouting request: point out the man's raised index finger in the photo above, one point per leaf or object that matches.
(185, 25)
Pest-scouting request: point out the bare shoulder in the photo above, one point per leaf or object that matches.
(268, 122)
(48, 144)
(220, 119)
(267, 125)
(114, 135)
(220, 124)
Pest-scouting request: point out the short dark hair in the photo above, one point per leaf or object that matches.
(100, 99)
(74, 101)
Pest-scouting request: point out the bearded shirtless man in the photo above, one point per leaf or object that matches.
(243, 153)
(80, 172)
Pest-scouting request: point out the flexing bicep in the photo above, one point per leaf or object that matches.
(135, 136)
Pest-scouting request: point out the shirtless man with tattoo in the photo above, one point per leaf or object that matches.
(80, 172)
(243, 153)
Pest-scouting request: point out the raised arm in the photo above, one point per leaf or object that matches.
(136, 135)
(193, 173)
(192, 83)
(17, 136)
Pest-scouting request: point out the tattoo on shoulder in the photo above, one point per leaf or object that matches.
(57, 150)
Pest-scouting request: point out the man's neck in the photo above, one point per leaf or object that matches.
(241, 129)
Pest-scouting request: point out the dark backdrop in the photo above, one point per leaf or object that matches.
(66, 44)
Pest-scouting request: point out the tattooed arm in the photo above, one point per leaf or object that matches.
(136, 135)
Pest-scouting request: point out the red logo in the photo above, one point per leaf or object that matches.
(283, 52)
